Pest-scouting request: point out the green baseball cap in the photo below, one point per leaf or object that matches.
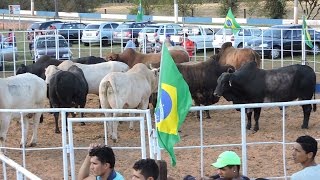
(227, 158)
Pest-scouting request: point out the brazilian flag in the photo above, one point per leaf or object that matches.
(306, 33)
(140, 13)
(173, 103)
(231, 23)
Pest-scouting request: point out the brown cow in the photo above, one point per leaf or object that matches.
(132, 57)
(236, 57)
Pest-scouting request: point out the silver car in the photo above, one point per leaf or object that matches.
(7, 52)
(53, 45)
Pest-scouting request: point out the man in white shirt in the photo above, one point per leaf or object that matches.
(304, 151)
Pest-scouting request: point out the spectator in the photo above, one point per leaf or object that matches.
(187, 44)
(145, 45)
(11, 39)
(157, 46)
(30, 38)
(101, 161)
(168, 41)
(304, 151)
(51, 29)
(132, 43)
(228, 164)
(145, 169)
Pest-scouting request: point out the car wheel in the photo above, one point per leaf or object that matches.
(86, 44)
(240, 45)
(105, 42)
(275, 53)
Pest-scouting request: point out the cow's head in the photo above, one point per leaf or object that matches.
(112, 57)
(22, 69)
(224, 83)
(50, 71)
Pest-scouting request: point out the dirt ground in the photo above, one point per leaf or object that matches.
(223, 128)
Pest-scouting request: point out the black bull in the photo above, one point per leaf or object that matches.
(252, 85)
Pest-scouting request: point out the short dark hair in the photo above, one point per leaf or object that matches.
(104, 154)
(148, 168)
(308, 144)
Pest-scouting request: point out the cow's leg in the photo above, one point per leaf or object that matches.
(249, 115)
(56, 116)
(131, 122)
(4, 126)
(34, 138)
(306, 115)
(82, 105)
(257, 112)
(115, 129)
(208, 114)
(26, 127)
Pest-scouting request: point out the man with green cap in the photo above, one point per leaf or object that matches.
(228, 165)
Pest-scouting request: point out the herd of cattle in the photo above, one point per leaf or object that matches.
(126, 80)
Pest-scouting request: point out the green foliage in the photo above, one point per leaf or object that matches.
(224, 7)
(63, 5)
(185, 7)
(275, 9)
(311, 8)
(148, 6)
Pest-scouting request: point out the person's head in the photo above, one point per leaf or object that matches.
(305, 149)
(228, 164)
(102, 160)
(145, 169)
(185, 35)
(168, 36)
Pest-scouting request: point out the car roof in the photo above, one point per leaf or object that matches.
(48, 35)
(287, 26)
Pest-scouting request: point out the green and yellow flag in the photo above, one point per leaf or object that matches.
(231, 23)
(173, 103)
(306, 33)
(140, 13)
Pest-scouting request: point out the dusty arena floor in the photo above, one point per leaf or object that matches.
(222, 128)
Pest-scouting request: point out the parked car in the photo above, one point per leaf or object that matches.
(201, 36)
(245, 34)
(126, 30)
(7, 52)
(55, 46)
(96, 32)
(154, 31)
(283, 37)
(43, 25)
(71, 31)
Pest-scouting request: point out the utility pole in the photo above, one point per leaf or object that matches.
(32, 7)
(175, 5)
(56, 15)
(295, 12)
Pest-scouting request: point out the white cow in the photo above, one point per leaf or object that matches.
(23, 91)
(93, 72)
(130, 89)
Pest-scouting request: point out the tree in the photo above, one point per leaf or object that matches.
(225, 4)
(185, 7)
(311, 8)
(148, 6)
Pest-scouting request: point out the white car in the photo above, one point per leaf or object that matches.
(245, 34)
(154, 31)
(96, 32)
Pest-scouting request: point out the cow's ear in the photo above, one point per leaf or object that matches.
(230, 81)
(231, 69)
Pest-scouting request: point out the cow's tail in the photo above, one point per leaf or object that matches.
(111, 94)
(314, 105)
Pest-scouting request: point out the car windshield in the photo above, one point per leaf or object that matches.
(123, 26)
(227, 31)
(150, 29)
(49, 42)
(273, 33)
(34, 26)
(93, 26)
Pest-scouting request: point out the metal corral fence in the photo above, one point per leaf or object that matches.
(22, 55)
(69, 148)
(67, 142)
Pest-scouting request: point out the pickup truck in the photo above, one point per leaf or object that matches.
(201, 36)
